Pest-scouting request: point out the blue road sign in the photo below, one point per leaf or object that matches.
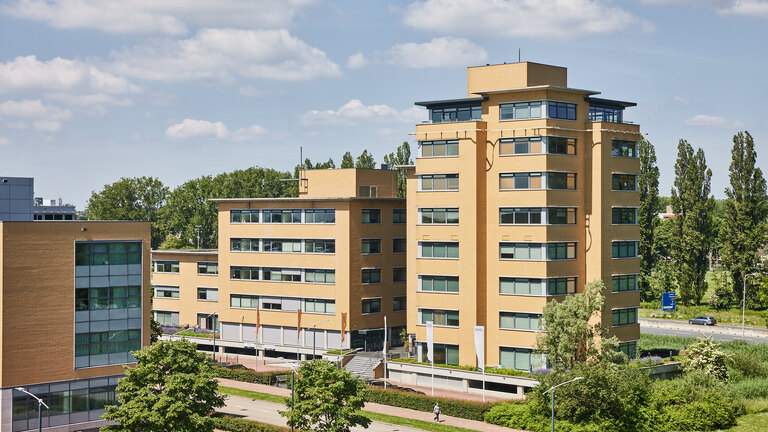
(668, 301)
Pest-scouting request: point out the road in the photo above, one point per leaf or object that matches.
(683, 329)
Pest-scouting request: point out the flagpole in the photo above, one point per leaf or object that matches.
(385, 352)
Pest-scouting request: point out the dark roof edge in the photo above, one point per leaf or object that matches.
(450, 101)
(617, 103)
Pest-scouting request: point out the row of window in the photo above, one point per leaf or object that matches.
(526, 145)
(107, 253)
(525, 181)
(514, 320)
(107, 342)
(116, 297)
(309, 305)
(167, 266)
(296, 216)
(536, 109)
(538, 251)
(319, 246)
(524, 216)
(274, 274)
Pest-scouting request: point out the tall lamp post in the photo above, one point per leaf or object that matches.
(40, 405)
(552, 389)
(744, 300)
(214, 329)
(314, 336)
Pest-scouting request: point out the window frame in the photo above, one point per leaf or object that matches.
(208, 264)
(445, 143)
(621, 276)
(622, 210)
(369, 301)
(370, 272)
(370, 212)
(441, 176)
(433, 243)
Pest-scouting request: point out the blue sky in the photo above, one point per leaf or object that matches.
(95, 90)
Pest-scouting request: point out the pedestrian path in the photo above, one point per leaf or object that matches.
(381, 409)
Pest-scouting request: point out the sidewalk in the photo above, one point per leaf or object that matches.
(381, 409)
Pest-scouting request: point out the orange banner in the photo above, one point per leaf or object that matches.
(258, 320)
(343, 325)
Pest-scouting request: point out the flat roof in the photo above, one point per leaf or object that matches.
(186, 251)
(290, 199)
(538, 87)
(612, 102)
(450, 101)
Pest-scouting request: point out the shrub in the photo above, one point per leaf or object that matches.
(705, 355)
(452, 407)
(234, 424)
(749, 365)
(248, 376)
(751, 389)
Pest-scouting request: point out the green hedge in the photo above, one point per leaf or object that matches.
(248, 376)
(234, 424)
(450, 407)
(510, 372)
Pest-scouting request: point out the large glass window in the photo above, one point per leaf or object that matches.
(167, 318)
(561, 251)
(621, 148)
(371, 276)
(626, 316)
(519, 321)
(244, 245)
(521, 251)
(398, 216)
(520, 181)
(561, 180)
(439, 182)
(561, 145)
(244, 273)
(372, 305)
(520, 286)
(282, 245)
(320, 216)
(448, 284)
(520, 110)
(439, 148)
(444, 354)
(439, 317)
(208, 294)
(454, 114)
(244, 216)
(561, 110)
(165, 266)
(624, 249)
(517, 146)
(624, 215)
(371, 246)
(519, 358)
(282, 216)
(622, 283)
(606, 114)
(281, 274)
(561, 215)
(624, 182)
(320, 276)
(371, 216)
(161, 291)
(439, 216)
(243, 301)
(520, 216)
(320, 246)
(320, 306)
(628, 348)
(439, 250)
(207, 268)
(561, 286)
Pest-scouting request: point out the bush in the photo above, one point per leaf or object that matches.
(249, 376)
(451, 407)
(751, 389)
(749, 365)
(234, 424)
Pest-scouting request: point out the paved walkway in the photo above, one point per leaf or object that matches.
(378, 408)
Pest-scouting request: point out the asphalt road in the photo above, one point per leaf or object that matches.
(689, 330)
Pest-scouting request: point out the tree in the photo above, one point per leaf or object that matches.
(365, 161)
(647, 215)
(172, 388)
(327, 399)
(401, 157)
(568, 337)
(347, 161)
(136, 198)
(693, 204)
(744, 226)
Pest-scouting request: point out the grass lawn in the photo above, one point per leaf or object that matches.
(251, 394)
(751, 423)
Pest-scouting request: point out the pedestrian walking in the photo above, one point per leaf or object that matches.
(437, 412)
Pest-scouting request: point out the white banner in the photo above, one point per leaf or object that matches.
(480, 346)
(430, 343)
(384, 351)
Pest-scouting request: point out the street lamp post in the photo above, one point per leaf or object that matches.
(40, 405)
(744, 300)
(314, 336)
(214, 329)
(552, 389)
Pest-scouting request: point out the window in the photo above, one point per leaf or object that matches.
(561, 180)
(561, 215)
(448, 284)
(282, 216)
(624, 182)
(439, 148)
(444, 354)
(439, 216)
(281, 274)
(366, 191)
(398, 216)
(561, 286)
(371, 276)
(320, 306)
(621, 148)
(624, 216)
(371, 246)
(208, 294)
(519, 358)
(516, 146)
(561, 110)
(622, 283)
(371, 216)
(398, 303)
(320, 246)
(439, 182)
(519, 321)
(453, 114)
(439, 250)
(207, 268)
(372, 305)
(520, 181)
(244, 245)
(628, 348)
(520, 216)
(282, 245)
(624, 249)
(242, 301)
(561, 145)
(272, 303)
(320, 216)
(244, 216)
(245, 273)
(447, 318)
(109, 342)
(520, 286)
(320, 276)
(103, 253)
(116, 297)
(521, 251)
(165, 266)
(561, 251)
(520, 110)
(398, 245)
(160, 292)
(627, 316)
(165, 318)
(399, 274)
(606, 114)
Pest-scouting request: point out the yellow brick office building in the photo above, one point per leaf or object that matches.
(521, 193)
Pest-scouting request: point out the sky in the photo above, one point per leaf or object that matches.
(95, 90)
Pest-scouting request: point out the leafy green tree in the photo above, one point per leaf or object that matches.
(172, 388)
(327, 399)
(745, 223)
(568, 337)
(692, 202)
(365, 161)
(155, 330)
(173, 242)
(136, 198)
(401, 157)
(704, 354)
(647, 214)
(347, 161)
(663, 238)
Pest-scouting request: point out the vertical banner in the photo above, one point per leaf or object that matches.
(343, 325)
(384, 351)
(258, 320)
(298, 327)
(480, 347)
(430, 343)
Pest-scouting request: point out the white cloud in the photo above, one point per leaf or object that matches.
(356, 61)
(249, 91)
(204, 129)
(439, 53)
(4, 141)
(169, 17)
(59, 74)
(545, 19)
(705, 120)
(43, 117)
(747, 8)
(355, 112)
(681, 100)
(218, 54)
(249, 133)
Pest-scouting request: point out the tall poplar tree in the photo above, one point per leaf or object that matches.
(744, 226)
(692, 226)
(401, 157)
(347, 161)
(647, 215)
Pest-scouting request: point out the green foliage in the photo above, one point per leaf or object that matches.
(130, 199)
(568, 337)
(234, 424)
(365, 161)
(155, 330)
(692, 201)
(402, 156)
(499, 371)
(347, 161)
(721, 296)
(327, 399)
(647, 216)
(751, 389)
(705, 355)
(515, 415)
(452, 407)
(173, 242)
(662, 280)
(172, 388)
(248, 376)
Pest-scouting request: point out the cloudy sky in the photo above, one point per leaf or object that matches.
(95, 90)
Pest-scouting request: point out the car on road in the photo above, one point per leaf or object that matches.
(703, 320)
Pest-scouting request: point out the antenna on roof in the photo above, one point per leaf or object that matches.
(301, 168)
(518, 55)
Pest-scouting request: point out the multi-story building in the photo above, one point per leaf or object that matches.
(16, 203)
(72, 307)
(338, 249)
(521, 193)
